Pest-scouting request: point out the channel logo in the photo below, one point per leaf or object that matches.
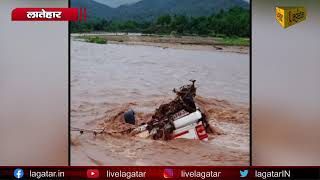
(288, 16)
(93, 173)
(168, 173)
(244, 173)
(18, 173)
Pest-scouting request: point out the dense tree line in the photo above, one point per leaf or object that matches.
(234, 22)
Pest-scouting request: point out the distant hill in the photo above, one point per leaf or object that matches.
(151, 9)
(94, 9)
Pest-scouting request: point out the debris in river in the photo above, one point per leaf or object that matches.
(129, 117)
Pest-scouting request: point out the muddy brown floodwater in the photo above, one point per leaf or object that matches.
(109, 79)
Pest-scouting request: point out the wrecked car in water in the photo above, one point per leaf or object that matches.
(180, 118)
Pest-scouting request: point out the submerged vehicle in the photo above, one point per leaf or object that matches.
(180, 118)
(190, 127)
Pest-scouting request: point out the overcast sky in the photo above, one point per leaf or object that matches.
(116, 3)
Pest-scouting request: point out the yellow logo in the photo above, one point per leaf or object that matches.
(288, 16)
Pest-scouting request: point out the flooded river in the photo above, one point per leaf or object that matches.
(106, 79)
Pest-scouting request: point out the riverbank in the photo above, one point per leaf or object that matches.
(233, 45)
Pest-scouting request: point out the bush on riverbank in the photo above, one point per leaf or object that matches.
(234, 41)
(95, 39)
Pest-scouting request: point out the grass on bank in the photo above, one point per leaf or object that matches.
(234, 41)
(94, 39)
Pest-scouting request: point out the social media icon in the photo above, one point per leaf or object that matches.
(244, 173)
(168, 173)
(93, 173)
(18, 173)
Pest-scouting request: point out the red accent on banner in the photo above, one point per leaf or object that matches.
(84, 14)
(45, 14)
